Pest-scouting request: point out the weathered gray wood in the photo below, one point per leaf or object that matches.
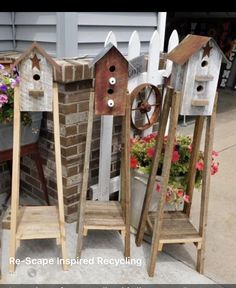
(200, 81)
(83, 193)
(44, 84)
(164, 182)
(156, 159)
(209, 136)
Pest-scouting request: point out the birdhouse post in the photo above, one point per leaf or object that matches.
(36, 92)
(109, 98)
(195, 73)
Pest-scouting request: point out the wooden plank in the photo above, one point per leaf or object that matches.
(193, 160)
(202, 78)
(156, 159)
(38, 222)
(126, 178)
(36, 93)
(175, 104)
(15, 176)
(83, 193)
(61, 219)
(104, 214)
(200, 102)
(210, 126)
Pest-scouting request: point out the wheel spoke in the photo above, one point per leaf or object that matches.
(149, 93)
(148, 118)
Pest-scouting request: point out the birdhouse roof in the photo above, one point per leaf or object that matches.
(104, 51)
(41, 51)
(190, 45)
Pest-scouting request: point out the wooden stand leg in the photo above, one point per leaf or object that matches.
(164, 182)
(192, 166)
(15, 178)
(126, 177)
(83, 194)
(156, 159)
(59, 173)
(210, 125)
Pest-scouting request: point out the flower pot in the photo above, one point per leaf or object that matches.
(138, 189)
(29, 133)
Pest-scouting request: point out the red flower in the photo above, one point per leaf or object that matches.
(133, 162)
(200, 165)
(186, 198)
(150, 152)
(180, 193)
(132, 141)
(175, 156)
(214, 168)
(158, 187)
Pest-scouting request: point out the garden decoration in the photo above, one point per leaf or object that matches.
(36, 92)
(146, 105)
(197, 61)
(111, 98)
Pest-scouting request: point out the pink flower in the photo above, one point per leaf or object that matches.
(133, 162)
(200, 165)
(3, 99)
(186, 198)
(175, 156)
(190, 147)
(150, 152)
(215, 153)
(158, 187)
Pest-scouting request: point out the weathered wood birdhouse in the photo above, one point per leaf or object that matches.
(35, 68)
(195, 73)
(111, 80)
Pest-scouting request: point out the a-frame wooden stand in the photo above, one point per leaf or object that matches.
(175, 226)
(36, 222)
(110, 215)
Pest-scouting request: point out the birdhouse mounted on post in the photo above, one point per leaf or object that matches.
(195, 73)
(111, 74)
(35, 67)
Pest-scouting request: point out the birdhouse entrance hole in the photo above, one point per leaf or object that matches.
(199, 88)
(36, 77)
(110, 91)
(112, 68)
(204, 63)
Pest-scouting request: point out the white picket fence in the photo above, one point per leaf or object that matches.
(153, 76)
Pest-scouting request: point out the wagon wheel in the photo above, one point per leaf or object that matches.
(146, 105)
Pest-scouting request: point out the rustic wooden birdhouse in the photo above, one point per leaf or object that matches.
(195, 73)
(35, 69)
(111, 80)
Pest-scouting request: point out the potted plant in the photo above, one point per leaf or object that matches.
(142, 152)
(31, 121)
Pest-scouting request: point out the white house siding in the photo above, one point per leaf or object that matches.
(93, 28)
(5, 31)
